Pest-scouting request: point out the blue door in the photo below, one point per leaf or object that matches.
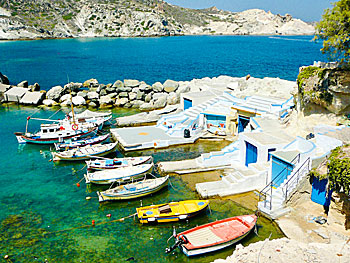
(251, 154)
(187, 104)
(242, 123)
(280, 171)
(319, 192)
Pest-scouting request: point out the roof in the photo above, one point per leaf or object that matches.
(266, 138)
(287, 156)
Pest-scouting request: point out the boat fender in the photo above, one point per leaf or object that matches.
(184, 239)
(75, 127)
(109, 215)
(28, 118)
(78, 185)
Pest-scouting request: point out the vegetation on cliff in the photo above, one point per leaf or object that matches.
(334, 30)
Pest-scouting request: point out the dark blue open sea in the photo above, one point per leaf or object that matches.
(44, 215)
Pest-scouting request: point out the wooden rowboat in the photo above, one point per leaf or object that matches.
(70, 144)
(171, 212)
(104, 164)
(214, 236)
(120, 175)
(133, 190)
(83, 153)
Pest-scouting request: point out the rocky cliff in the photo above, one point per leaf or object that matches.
(29, 19)
(326, 85)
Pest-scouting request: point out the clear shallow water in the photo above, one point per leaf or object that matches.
(44, 215)
(52, 62)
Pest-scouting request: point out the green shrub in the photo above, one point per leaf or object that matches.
(68, 17)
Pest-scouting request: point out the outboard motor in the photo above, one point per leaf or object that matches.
(182, 239)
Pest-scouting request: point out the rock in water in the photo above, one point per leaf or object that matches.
(54, 93)
(170, 86)
(4, 79)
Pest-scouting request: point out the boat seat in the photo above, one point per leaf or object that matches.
(164, 209)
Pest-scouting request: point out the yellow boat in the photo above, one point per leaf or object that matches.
(171, 212)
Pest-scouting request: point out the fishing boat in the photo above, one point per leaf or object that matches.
(86, 152)
(103, 164)
(91, 116)
(133, 190)
(171, 212)
(74, 143)
(119, 175)
(56, 132)
(214, 236)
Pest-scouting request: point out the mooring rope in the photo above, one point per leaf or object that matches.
(54, 113)
(172, 185)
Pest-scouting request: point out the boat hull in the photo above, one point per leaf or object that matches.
(102, 197)
(200, 251)
(171, 217)
(57, 156)
(216, 235)
(81, 143)
(99, 166)
(22, 138)
(117, 178)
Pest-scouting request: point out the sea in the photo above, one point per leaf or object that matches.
(45, 216)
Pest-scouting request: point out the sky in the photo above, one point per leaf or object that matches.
(307, 10)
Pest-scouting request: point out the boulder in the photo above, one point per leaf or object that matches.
(65, 103)
(173, 98)
(91, 83)
(54, 93)
(136, 103)
(170, 85)
(78, 101)
(145, 87)
(35, 87)
(92, 104)
(148, 97)
(92, 95)
(105, 100)
(83, 94)
(23, 84)
(15, 94)
(160, 102)
(32, 98)
(103, 92)
(183, 89)
(49, 102)
(160, 95)
(131, 83)
(118, 84)
(4, 79)
(65, 97)
(123, 95)
(139, 95)
(110, 89)
(121, 102)
(113, 95)
(127, 105)
(123, 89)
(132, 96)
(157, 87)
(147, 106)
(73, 86)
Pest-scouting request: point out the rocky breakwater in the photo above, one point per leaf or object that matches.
(324, 86)
(128, 94)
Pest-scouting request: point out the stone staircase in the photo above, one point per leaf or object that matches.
(235, 180)
(275, 198)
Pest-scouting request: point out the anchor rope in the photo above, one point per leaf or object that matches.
(54, 113)
(172, 185)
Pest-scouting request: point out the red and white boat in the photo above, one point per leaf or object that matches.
(214, 236)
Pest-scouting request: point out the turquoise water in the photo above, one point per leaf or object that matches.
(51, 62)
(44, 215)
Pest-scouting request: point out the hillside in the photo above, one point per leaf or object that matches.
(28, 19)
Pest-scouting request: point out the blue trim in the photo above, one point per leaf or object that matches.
(211, 114)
